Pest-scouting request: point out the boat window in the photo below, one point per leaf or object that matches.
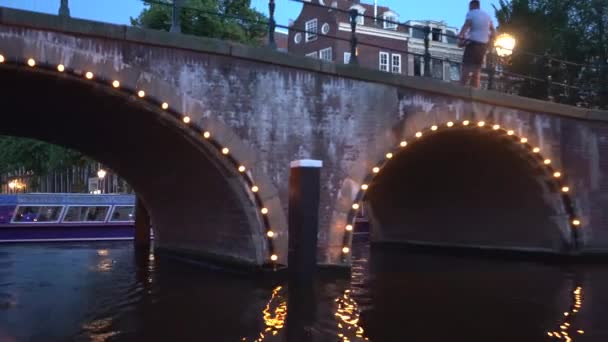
(38, 214)
(123, 213)
(89, 214)
(26, 214)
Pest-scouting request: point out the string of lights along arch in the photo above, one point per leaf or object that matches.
(205, 135)
(553, 175)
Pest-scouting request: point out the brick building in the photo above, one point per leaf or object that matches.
(383, 45)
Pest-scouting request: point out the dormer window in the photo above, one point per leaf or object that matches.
(436, 33)
(390, 20)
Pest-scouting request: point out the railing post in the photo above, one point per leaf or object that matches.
(427, 52)
(64, 9)
(353, 38)
(176, 25)
(549, 78)
(272, 25)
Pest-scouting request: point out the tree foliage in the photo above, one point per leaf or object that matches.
(570, 30)
(232, 20)
(36, 157)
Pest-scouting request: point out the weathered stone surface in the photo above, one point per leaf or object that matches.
(272, 108)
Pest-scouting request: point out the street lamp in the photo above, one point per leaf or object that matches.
(101, 174)
(504, 45)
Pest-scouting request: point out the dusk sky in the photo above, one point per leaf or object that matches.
(119, 11)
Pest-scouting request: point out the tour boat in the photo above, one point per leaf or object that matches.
(66, 217)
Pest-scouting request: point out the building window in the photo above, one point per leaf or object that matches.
(436, 34)
(360, 17)
(313, 55)
(390, 22)
(384, 61)
(417, 66)
(454, 71)
(346, 57)
(417, 32)
(311, 30)
(325, 54)
(396, 63)
(437, 69)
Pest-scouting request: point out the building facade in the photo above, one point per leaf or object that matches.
(323, 30)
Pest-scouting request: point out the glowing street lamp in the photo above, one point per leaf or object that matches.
(504, 45)
(101, 173)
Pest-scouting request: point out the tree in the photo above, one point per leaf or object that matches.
(552, 31)
(232, 20)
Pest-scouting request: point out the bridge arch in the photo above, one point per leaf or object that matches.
(39, 85)
(419, 132)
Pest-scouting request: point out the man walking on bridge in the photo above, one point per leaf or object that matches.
(479, 30)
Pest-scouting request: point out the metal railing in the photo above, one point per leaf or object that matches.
(554, 79)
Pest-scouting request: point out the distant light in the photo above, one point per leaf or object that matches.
(207, 135)
(345, 250)
(31, 62)
(270, 234)
(2, 59)
(496, 127)
(141, 93)
(101, 173)
(466, 122)
(255, 188)
(557, 174)
(376, 169)
(536, 150)
(356, 206)
(403, 144)
(264, 211)
(418, 134)
(349, 228)
(565, 189)
(165, 105)
(389, 155)
(61, 68)
(566, 313)
(547, 161)
(481, 124)
(576, 222)
(524, 140)
(102, 252)
(274, 257)
(242, 169)
(510, 132)
(115, 84)
(225, 150)
(450, 124)
(581, 332)
(186, 119)
(364, 187)
(89, 75)
(434, 128)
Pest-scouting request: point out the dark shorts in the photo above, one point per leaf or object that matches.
(474, 53)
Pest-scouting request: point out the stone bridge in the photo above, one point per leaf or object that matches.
(204, 131)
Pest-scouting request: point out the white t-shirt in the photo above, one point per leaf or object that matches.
(480, 26)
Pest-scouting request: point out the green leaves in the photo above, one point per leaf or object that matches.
(232, 20)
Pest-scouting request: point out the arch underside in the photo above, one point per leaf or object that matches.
(197, 204)
(467, 187)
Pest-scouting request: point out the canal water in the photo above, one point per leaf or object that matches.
(107, 292)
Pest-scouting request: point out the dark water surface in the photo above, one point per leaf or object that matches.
(107, 292)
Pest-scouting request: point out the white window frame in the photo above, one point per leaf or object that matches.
(392, 25)
(384, 66)
(347, 57)
(361, 12)
(398, 70)
(326, 50)
(311, 27)
(313, 54)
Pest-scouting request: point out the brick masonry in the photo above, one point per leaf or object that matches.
(271, 108)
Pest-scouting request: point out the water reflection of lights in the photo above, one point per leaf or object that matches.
(566, 330)
(97, 330)
(347, 316)
(102, 252)
(274, 315)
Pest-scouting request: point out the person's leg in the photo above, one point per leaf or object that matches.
(476, 79)
(466, 74)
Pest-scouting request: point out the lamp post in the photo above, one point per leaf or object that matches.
(176, 25)
(64, 9)
(101, 174)
(503, 49)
